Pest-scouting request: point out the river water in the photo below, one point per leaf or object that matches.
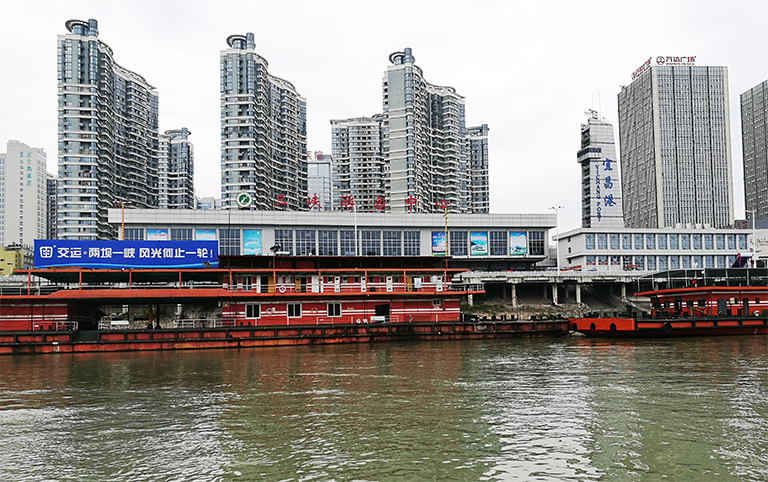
(525, 409)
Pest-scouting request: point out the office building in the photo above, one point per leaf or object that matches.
(263, 132)
(754, 136)
(23, 195)
(479, 196)
(108, 135)
(358, 164)
(600, 181)
(176, 170)
(319, 181)
(675, 145)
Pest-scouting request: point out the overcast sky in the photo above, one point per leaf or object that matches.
(530, 70)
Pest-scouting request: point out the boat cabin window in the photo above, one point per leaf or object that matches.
(253, 310)
(689, 303)
(294, 310)
(666, 305)
(702, 302)
(436, 302)
(334, 309)
(757, 300)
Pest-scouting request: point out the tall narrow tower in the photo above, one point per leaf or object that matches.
(263, 132)
(676, 145)
(600, 181)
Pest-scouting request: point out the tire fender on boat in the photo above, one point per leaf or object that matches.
(314, 311)
(666, 327)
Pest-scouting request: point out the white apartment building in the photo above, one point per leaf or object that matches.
(23, 195)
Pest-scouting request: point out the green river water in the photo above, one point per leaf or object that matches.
(527, 409)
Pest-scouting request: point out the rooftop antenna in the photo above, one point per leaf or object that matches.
(599, 100)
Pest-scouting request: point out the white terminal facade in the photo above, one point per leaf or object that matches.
(263, 132)
(23, 195)
(485, 241)
(675, 145)
(628, 249)
(601, 205)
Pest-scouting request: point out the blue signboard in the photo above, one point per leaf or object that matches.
(51, 253)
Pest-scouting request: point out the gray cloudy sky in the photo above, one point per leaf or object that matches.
(529, 69)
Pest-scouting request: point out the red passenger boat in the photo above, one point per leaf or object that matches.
(707, 302)
(253, 301)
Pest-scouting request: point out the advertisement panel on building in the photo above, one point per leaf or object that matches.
(518, 244)
(50, 253)
(157, 235)
(252, 241)
(205, 234)
(478, 243)
(438, 243)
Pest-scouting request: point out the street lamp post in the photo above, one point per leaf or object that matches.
(556, 209)
(754, 236)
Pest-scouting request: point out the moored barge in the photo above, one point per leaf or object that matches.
(244, 301)
(703, 303)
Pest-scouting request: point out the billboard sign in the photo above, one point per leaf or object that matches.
(51, 253)
(518, 244)
(438, 243)
(478, 243)
(157, 235)
(252, 241)
(205, 234)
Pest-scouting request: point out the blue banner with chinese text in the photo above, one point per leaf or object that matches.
(51, 253)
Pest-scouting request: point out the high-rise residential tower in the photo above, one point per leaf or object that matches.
(754, 134)
(108, 135)
(263, 132)
(675, 145)
(479, 201)
(358, 165)
(319, 181)
(600, 181)
(418, 155)
(425, 141)
(50, 194)
(176, 170)
(23, 195)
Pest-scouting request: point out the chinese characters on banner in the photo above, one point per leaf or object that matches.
(442, 204)
(280, 200)
(379, 203)
(125, 254)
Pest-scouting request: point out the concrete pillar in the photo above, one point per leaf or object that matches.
(578, 293)
(513, 291)
(546, 291)
(470, 300)
(623, 292)
(554, 293)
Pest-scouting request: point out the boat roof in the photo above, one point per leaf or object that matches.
(255, 264)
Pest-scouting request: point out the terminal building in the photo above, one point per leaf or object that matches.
(638, 249)
(476, 241)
